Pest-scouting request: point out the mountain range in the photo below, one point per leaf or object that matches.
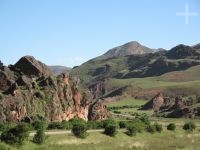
(102, 75)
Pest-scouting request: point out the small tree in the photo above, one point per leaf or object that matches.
(110, 128)
(171, 127)
(16, 135)
(189, 126)
(79, 128)
(39, 137)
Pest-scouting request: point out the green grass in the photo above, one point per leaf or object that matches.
(135, 103)
(127, 101)
(167, 140)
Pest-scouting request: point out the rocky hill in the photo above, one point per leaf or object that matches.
(29, 90)
(130, 48)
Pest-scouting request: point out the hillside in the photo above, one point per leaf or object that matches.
(29, 91)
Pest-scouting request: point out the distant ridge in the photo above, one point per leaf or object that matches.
(59, 69)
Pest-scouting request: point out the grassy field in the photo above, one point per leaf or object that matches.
(127, 101)
(167, 140)
(135, 104)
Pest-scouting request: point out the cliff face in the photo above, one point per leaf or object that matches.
(29, 90)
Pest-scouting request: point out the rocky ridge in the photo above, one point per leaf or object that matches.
(29, 90)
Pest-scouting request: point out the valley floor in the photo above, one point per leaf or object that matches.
(167, 140)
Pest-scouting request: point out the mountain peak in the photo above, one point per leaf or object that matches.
(130, 48)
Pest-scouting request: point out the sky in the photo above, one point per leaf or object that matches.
(70, 32)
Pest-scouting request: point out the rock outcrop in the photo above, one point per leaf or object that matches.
(174, 107)
(155, 103)
(31, 67)
(28, 90)
(98, 111)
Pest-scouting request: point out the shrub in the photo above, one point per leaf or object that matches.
(151, 128)
(39, 137)
(140, 125)
(131, 130)
(39, 125)
(66, 125)
(79, 128)
(171, 127)
(55, 125)
(16, 135)
(158, 127)
(122, 124)
(110, 128)
(189, 126)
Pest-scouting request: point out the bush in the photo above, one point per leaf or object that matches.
(189, 126)
(39, 137)
(151, 129)
(79, 128)
(55, 125)
(110, 127)
(158, 127)
(131, 130)
(16, 135)
(122, 124)
(39, 125)
(171, 127)
(66, 125)
(140, 125)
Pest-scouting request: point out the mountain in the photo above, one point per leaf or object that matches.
(129, 73)
(59, 69)
(29, 91)
(125, 50)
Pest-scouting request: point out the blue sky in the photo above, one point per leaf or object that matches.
(69, 32)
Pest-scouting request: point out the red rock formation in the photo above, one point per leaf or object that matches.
(35, 92)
